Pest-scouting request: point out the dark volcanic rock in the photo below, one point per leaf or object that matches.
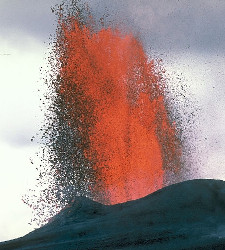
(188, 215)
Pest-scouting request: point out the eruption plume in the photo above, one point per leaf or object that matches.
(114, 100)
(109, 135)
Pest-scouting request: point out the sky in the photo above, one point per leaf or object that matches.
(189, 37)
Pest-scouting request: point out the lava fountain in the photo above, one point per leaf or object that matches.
(113, 98)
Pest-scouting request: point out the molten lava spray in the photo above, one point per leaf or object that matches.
(113, 98)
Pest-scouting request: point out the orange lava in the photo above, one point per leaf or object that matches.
(113, 97)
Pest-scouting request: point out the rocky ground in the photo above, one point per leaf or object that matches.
(188, 215)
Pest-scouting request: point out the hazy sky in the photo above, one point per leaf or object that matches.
(188, 35)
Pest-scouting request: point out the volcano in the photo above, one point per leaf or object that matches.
(187, 215)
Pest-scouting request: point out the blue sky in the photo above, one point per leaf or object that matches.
(188, 35)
